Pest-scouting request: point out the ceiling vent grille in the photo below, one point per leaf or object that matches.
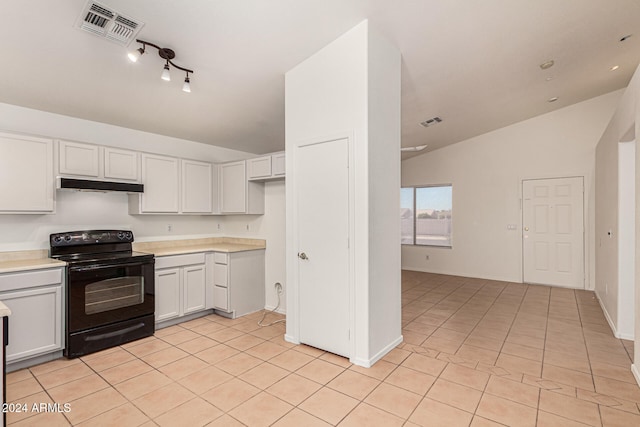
(431, 122)
(102, 21)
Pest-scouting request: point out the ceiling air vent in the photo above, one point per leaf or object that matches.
(105, 22)
(431, 122)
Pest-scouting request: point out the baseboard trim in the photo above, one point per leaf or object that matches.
(636, 374)
(367, 363)
(272, 308)
(606, 316)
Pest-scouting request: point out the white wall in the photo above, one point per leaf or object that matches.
(342, 90)
(80, 210)
(487, 172)
(626, 239)
(624, 126)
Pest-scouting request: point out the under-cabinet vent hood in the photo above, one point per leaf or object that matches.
(103, 21)
(101, 186)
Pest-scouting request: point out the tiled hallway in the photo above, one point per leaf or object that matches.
(476, 352)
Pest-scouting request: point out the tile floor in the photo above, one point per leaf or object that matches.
(476, 352)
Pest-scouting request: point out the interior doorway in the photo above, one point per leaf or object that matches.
(553, 231)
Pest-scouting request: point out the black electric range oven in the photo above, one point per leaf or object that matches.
(109, 289)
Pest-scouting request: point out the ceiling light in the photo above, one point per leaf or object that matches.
(166, 76)
(186, 87)
(167, 55)
(615, 67)
(136, 54)
(552, 99)
(416, 148)
(546, 65)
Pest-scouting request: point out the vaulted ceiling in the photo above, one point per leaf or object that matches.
(475, 64)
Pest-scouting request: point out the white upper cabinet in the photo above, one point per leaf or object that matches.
(161, 179)
(237, 194)
(266, 167)
(176, 186)
(233, 187)
(121, 164)
(197, 187)
(89, 161)
(278, 165)
(260, 167)
(78, 159)
(26, 174)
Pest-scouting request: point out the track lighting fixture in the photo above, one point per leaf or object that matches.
(167, 55)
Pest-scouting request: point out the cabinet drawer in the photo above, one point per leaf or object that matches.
(31, 279)
(179, 260)
(220, 275)
(220, 298)
(220, 258)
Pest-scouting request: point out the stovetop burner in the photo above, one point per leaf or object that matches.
(94, 246)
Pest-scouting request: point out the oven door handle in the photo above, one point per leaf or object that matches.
(103, 266)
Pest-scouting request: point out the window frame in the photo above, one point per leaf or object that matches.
(415, 216)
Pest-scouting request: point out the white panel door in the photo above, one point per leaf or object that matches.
(233, 187)
(193, 289)
(197, 193)
(161, 184)
(553, 231)
(322, 195)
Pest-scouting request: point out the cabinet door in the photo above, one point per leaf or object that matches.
(197, 192)
(259, 167)
(26, 174)
(167, 284)
(278, 164)
(121, 164)
(161, 184)
(233, 187)
(193, 288)
(35, 325)
(78, 159)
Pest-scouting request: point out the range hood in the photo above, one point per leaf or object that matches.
(103, 186)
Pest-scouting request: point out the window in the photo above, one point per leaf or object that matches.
(425, 214)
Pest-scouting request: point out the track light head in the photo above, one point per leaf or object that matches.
(186, 87)
(136, 54)
(165, 73)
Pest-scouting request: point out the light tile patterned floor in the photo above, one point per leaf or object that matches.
(476, 352)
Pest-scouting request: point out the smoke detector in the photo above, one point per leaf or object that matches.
(105, 22)
(430, 122)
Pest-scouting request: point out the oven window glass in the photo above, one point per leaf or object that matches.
(111, 294)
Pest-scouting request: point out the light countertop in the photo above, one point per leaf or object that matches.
(213, 244)
(4, 310)
(27, 260)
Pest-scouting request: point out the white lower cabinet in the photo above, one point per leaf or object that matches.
(180, 285)
(35, 300)
(238, 282)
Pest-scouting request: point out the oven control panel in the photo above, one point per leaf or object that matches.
(86, 237)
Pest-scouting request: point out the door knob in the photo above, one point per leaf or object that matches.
(526, 229)
(302, 255)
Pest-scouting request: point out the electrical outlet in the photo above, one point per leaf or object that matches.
(247, 226)
(169, 227)
(278, 287)
(426, 257)
(219, 227)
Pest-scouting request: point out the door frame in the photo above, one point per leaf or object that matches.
(585, 234)
(293, 295)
